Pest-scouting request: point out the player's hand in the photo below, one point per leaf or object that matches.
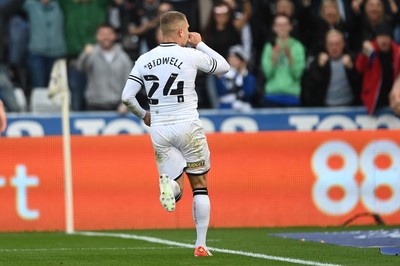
(88, 48)
(323, 58)
(347, 62)
(276, 50)
(194, 38)
(367, 48)
(147, 119)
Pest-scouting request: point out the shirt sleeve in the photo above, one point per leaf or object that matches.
(132, 87)
(214, 63)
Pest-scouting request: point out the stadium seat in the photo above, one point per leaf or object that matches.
(21, 99)
(40, 102)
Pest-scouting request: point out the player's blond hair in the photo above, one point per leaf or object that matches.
(171, 21)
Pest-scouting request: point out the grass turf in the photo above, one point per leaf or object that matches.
(57, 248)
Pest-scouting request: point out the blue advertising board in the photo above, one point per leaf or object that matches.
(287, 119)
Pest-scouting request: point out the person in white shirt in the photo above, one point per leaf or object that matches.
(168, 74)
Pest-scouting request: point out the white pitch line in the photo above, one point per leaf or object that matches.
(78, 249)
(228, 251)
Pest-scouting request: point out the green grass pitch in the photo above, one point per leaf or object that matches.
(230, 246)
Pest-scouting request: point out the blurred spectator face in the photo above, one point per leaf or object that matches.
(384, 42)
(106, 37)
(284, 7)
(221, 14)
(374, 10)
(234, 61)
(237, 57)
(150, 2)
(282, 27)
(334, 44)
(45, 2)
(232, 4)
(329, 12)
(164, 8)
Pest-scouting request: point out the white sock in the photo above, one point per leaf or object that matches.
(201, 215)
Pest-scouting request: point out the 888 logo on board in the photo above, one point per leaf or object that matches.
(337, 191)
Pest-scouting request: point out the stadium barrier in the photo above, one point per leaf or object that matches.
(258, 179)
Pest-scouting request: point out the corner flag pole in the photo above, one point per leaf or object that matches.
(59, 85)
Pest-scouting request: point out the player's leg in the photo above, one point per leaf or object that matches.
(170, 164)
(201, 212)
(171, 178)
(197, 154)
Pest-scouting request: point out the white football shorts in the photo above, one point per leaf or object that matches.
(181, 147)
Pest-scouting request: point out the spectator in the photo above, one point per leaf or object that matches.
(146, 29)
(47, 39)
(107, 67)
(394, 99)
(236, 88)
(245, 33)
(331, 79)
(282, 63)
(162, 9)
(121, 14)
(8, 8)
(396, 33)
(7, 93)
(14, 39)
(379, 62)
(315, 27)
(344, 7)
(190, 8)
(224, 29)
(371, 14)
(265, 11)
(82, 17)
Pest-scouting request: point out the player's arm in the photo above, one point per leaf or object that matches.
(84, 61)
(132, 87)
(219, 64)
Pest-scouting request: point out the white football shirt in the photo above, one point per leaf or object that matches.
(168, 73)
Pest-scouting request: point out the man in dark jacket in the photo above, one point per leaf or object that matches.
(331, 79)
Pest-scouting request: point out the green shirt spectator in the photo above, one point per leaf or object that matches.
(283, 64)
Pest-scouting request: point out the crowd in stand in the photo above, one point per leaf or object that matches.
(283, 53)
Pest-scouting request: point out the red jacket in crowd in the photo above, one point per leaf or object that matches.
(371, 68)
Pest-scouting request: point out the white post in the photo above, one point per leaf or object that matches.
(59, 84)
(67, 163)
